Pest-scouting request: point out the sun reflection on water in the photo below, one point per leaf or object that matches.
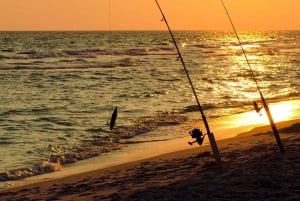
(282, 111)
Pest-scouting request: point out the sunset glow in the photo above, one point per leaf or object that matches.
(144, 15)
(282, 111)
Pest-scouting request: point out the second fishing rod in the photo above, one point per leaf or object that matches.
(265, 105)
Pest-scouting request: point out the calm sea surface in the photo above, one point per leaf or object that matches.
(58, 89)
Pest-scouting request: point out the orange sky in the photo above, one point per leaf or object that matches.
(144, 14)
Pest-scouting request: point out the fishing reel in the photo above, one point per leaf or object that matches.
(198, 135)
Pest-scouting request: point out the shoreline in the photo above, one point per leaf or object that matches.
(246, 140)
(224, 128)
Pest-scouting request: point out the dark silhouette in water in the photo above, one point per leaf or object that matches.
(113, 118)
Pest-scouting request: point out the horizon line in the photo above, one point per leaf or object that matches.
(137, 30)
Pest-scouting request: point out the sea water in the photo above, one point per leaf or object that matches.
(58, 89)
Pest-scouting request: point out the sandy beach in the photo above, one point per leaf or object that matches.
(253, 169)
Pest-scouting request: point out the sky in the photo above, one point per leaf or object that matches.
(20, 15)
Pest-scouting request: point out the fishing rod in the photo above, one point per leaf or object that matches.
(209, 133)
(267, 109)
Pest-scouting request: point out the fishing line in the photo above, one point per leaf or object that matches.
(114, 114)
(209, 133)
(110, 48)
(272, 124)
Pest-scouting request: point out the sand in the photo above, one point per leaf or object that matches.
(253, 169)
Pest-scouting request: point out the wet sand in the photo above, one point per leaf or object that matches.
(253, 169)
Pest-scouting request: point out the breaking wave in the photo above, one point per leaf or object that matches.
(103, 141)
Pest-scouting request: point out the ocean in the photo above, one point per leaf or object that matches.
(59, 89)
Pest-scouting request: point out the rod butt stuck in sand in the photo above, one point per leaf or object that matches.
(210, 135)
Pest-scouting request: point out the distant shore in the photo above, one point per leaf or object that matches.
(254, 168)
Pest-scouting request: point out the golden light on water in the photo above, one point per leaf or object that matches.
(231, 125)
(282, 111)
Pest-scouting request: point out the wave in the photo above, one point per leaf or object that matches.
(59, 158)
(87, 53)
(56, 120)
(57, 162)
(44, 167)
(210, 106)
(78, 59)
(101, 142)
(3, 57)
(288, 96)
(31, 52)
(7, 50)
(43, 110)
(6, 141)
(215, 110)
(54, 67)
